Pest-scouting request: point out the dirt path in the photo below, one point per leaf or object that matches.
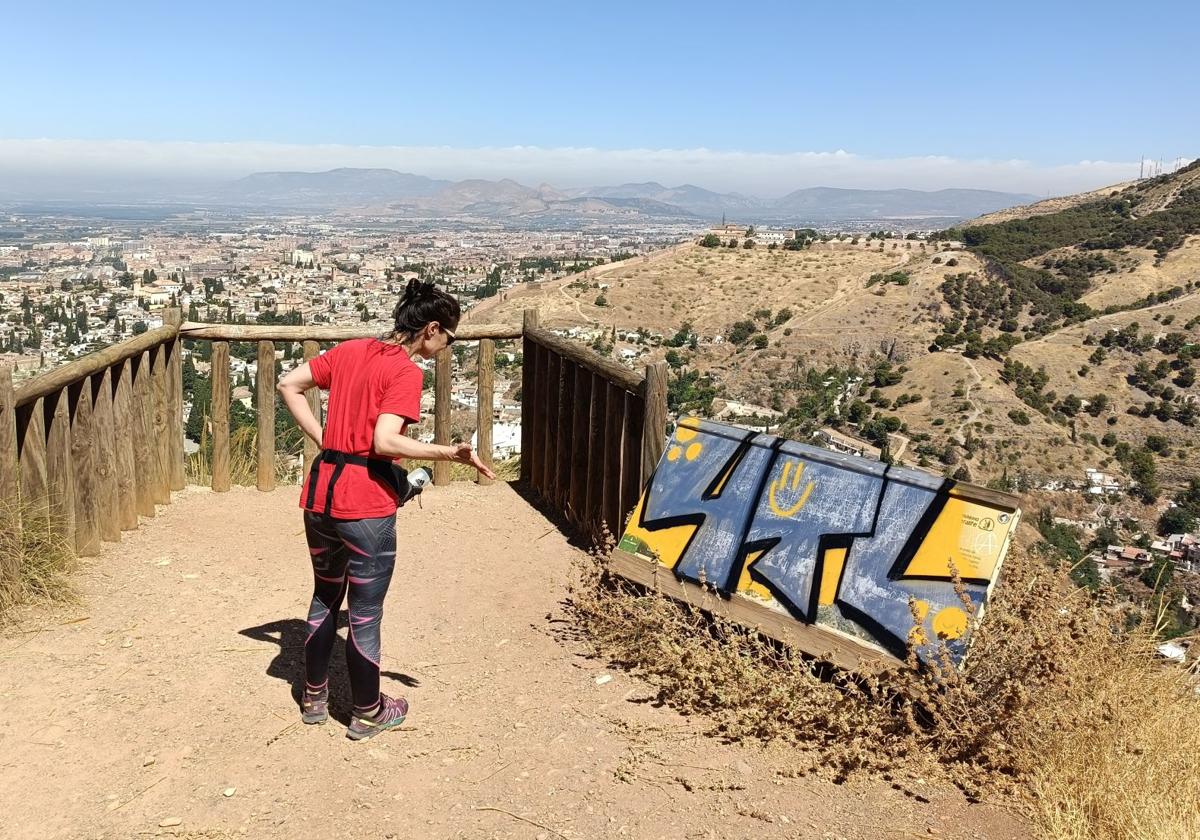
(163, 706)
(975, 409)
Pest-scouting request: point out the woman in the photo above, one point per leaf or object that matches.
(352, 491)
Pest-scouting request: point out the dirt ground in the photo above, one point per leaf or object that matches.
(163, 704)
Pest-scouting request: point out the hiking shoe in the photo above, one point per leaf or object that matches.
(314, 708)
(389, 715)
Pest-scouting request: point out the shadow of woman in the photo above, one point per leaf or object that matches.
(288, 665)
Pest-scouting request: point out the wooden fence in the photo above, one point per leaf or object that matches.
(593, 429)
(98, 442)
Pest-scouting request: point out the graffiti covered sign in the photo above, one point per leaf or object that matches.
(852, 546)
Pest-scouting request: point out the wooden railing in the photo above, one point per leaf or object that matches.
(593, 429)
(98, 442)
(95, 443)
(222, 334)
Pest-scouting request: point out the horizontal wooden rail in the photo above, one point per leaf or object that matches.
(588, 358)
(253, 332)
(55, 380)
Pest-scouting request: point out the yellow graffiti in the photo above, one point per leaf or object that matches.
(686, 430)
(831, 574)
(665, 544)
(781, 482)
(693, 451)
(746, 585)
(971, 536)
(950, 623)
(673, 453)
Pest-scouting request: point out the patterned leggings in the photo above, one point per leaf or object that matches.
(355, 556)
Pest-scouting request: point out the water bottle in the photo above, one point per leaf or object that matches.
(417, 479)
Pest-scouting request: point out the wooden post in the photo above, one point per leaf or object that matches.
(483, 413)
(87, 531)
(529, 319)
(548, 396)
(312, 349)
(533, 413)
(31, 440)
(126, 455)
(174, 317)
(613, 423)
(60, 475)
(10, 469)
(631, 457)
(161, 443)
(145, 445)
(654, 425)
(219, 373)
(441, 412)
(594, 481)
(264, 401)
(580, 439)
(105, 451)
(566, 428)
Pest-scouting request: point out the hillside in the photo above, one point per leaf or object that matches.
(1020, 358)
(1046, 206)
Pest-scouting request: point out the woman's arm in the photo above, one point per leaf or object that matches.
(292, 387)
(391, 441)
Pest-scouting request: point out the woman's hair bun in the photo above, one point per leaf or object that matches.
(421, 302)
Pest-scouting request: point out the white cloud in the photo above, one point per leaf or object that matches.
(759, 173)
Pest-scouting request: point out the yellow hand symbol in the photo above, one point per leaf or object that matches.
(780, 483)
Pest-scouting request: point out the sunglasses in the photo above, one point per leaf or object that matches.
(450, 336)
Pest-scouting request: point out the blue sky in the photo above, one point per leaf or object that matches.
(1049, 84)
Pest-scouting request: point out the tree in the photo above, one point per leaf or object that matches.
(1145, 473)
(710, 240)
(139, 327)
(1177, 520)
(741, 331)
(760, 342)
(858, 411)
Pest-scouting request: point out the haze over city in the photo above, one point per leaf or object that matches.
(760, 101)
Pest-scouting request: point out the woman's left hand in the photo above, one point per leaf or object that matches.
(464, 454)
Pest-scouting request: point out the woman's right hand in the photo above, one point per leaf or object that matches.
(464, 454)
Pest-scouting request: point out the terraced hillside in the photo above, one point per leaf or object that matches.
(1017, 353)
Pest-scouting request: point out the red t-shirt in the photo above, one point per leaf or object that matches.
(365, 378)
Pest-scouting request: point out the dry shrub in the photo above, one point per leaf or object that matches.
(1055, 706)
(243, 460)
(36, 559)
(508, 469)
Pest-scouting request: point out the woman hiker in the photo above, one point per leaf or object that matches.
(353, 489)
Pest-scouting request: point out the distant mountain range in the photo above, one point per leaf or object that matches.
(400, 193)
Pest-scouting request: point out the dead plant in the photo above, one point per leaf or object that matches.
(1056, 707)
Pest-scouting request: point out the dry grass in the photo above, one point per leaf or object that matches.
(243, 460)
(243, 463)
(36, 560)
(508, 469)
(1055, 710)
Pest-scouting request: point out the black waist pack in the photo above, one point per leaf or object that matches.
(386, 471)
